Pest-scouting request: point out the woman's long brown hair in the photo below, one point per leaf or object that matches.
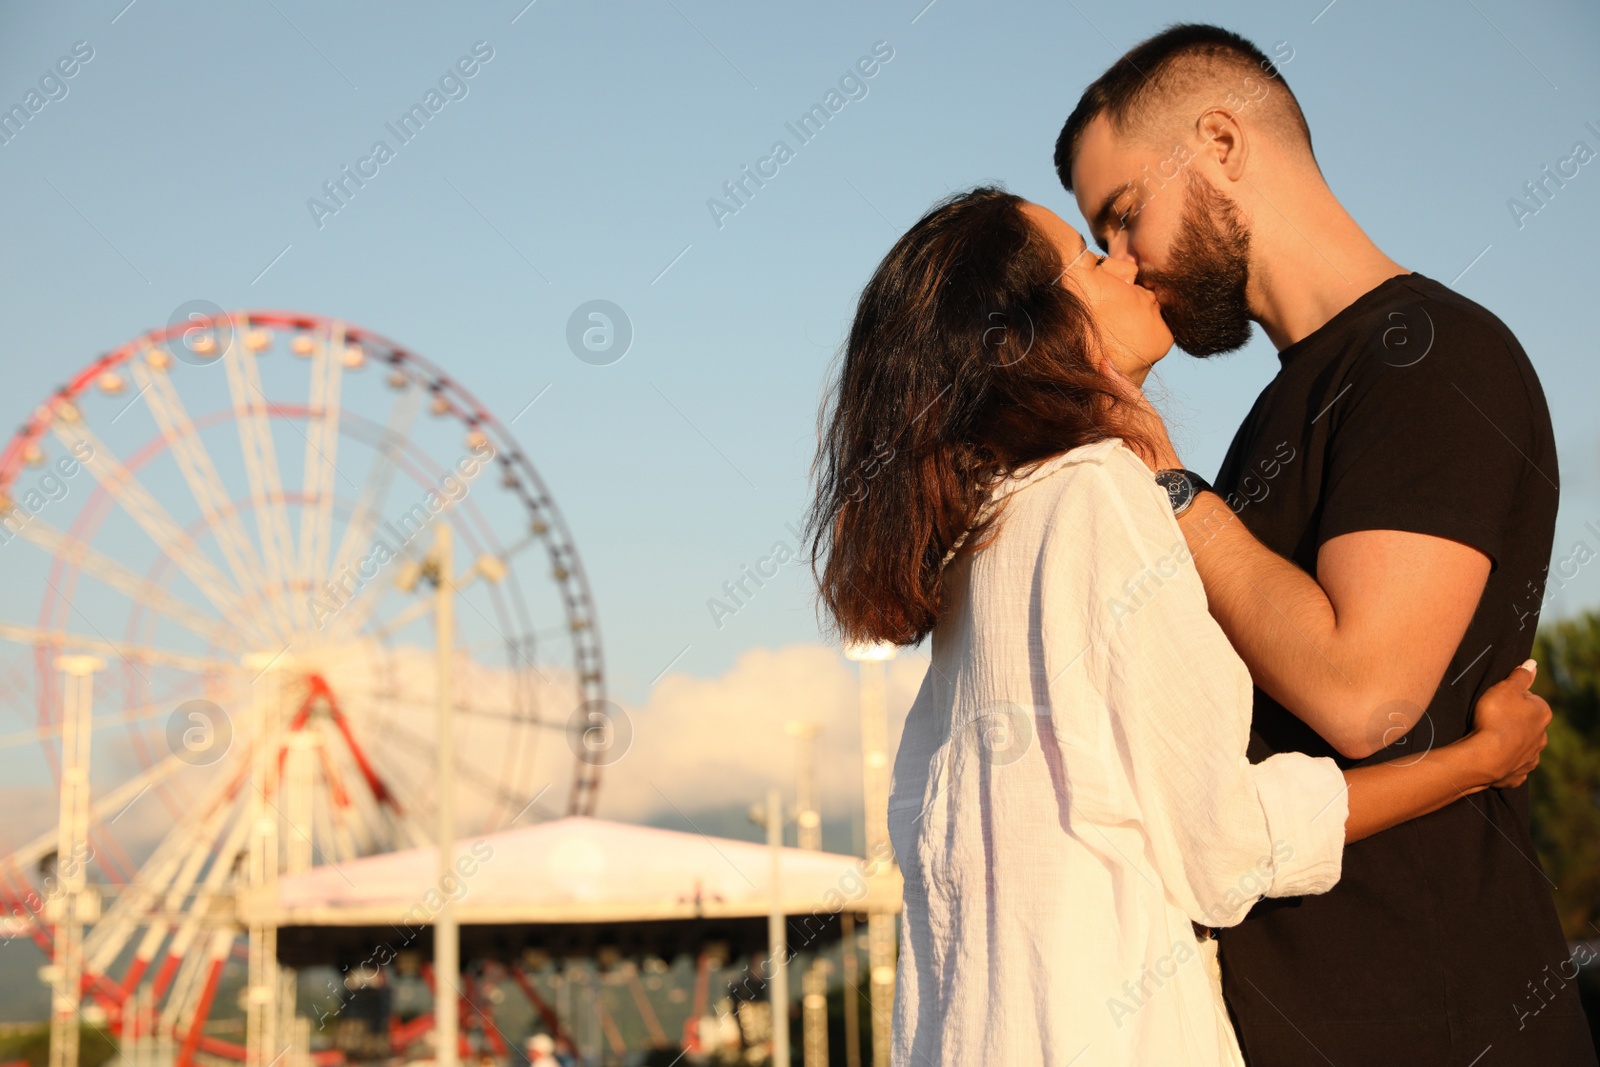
(968, 360)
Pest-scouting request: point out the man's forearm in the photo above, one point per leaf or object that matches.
(1284, 627)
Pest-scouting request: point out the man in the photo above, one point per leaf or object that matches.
(1393, 499)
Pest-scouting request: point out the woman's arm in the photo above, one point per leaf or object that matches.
(1504, 746)
(1219, 830)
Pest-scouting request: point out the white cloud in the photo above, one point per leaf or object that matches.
(711, 742)
(698, 744)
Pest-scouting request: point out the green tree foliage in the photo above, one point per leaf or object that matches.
(31, 1046)
(1565, 790)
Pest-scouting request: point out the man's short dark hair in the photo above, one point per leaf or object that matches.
(1136, 93)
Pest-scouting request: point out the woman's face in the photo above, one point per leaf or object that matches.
(1127, 315)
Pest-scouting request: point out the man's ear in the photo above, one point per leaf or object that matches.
(1222, 140)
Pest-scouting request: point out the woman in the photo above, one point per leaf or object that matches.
(1071, 804)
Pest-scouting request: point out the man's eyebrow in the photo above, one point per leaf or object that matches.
(1102, 218)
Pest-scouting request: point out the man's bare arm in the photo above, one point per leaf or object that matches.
(1356, 653)
(1508, 735)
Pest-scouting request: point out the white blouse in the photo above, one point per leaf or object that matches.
(1071, 790)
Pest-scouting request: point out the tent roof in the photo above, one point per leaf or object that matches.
(575, 871)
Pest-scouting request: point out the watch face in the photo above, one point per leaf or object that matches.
(1180, 491)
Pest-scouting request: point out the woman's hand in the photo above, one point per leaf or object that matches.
(1508, 726)
(1148, 432)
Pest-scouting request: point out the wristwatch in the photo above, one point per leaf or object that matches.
(1182, 487)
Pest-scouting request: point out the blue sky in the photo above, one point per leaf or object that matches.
(576, 163)
(579, 163)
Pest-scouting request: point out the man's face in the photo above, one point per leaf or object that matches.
(1190, 243)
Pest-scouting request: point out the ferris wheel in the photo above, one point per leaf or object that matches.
(239, 512)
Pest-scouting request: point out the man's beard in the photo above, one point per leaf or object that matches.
(1202, 292)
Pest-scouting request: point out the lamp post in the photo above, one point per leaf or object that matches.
(71, 903)
(777, 936)
(870, 660)
(850, 967)
(264, 985)
(807, 818)
(439, 568)
(446, 928)
(814, 1003)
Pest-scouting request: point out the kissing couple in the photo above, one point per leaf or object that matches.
(1200, 773)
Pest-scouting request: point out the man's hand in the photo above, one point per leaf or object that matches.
(1508, 728)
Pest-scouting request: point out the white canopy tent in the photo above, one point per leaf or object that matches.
(570, 883)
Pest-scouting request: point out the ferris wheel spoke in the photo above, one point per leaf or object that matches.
(169, 537)
(413, 810)
(340, 843)
(401, 619)
(460, 708)
(356, 611)
(322, 814)
(130, 653)
(206, 487)
(359, 608)
(469, 775)
(100, 722)
(357, 533)
(183, 1004)
(322, 449)
(512, 715)
(152, 898)
(111, 804)
(334, 833)
(209, 889)
(260, 454)
(163, 881)
(136, 587)
(363, 602)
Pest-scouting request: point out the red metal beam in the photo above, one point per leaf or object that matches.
(164, 975)
(552, 1021)
(380, 791)
(218, 1047)
(202, 1011)
(484, 1023)
(136, 971)
(401, 1035)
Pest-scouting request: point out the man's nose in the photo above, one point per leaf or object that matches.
(1122, 266)
(1117, 248)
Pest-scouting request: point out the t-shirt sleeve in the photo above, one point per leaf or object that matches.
(1433, 446)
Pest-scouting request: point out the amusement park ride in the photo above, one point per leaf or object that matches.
(240, 517)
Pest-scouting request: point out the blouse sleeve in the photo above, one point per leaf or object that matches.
(1222, 831)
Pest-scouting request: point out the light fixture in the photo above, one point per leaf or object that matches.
(870, 651)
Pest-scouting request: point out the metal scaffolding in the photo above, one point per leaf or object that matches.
(69, 904)
(875, 796)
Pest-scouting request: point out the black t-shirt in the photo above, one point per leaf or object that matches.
(1413, 409)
